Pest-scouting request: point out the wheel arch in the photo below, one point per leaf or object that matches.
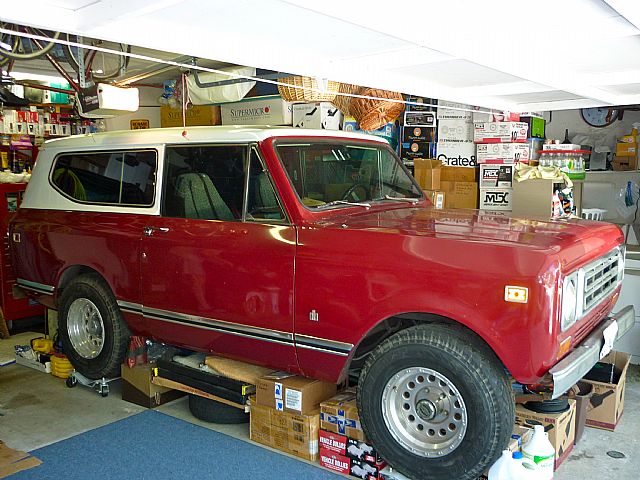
(74, 271)
(396, 323)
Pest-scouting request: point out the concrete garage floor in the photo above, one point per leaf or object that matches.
(38, 409)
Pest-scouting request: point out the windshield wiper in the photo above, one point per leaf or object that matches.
(401, 199)
(344, 202)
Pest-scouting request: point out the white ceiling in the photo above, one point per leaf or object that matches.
(508, 54)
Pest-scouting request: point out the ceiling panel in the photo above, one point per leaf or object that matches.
(460, 73)
(584, 52)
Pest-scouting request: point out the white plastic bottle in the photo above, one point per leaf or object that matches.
(523, 468)
(541, 452)
(501, 469)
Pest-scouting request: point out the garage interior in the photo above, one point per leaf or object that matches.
(436, 89)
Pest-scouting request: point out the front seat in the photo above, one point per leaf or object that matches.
(200, 198)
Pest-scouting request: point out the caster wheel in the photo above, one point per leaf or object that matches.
(104, 392)
(71, 381)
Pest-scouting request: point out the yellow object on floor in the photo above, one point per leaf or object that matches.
(61, 366)
(42, 345)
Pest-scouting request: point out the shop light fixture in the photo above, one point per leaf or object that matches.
(37, 77)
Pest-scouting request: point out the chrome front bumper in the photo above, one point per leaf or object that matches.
(575, 365)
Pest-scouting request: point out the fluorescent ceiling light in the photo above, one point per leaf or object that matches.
(38, 77)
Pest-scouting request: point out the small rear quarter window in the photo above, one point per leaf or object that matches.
(118, 178)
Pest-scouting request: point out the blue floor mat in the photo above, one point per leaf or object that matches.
(152, 445)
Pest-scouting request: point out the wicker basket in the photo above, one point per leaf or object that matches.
(342, 102)
(373, 113)
(305, 89)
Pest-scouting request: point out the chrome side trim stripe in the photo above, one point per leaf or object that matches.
(35, 286)
(323, 344)
(130, 307)
(257, 333)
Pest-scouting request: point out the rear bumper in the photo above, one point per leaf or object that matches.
(575, 365)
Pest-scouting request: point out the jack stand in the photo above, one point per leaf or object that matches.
(101, 386)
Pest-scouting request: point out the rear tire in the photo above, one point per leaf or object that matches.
(211, 411)
(436, 403)
(93, 332)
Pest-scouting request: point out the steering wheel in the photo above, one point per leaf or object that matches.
(350, 192)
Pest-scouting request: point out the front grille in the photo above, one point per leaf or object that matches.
(600, 279)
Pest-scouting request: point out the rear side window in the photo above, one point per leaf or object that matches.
(117, 178)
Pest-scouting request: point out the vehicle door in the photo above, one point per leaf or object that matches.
(217, 265)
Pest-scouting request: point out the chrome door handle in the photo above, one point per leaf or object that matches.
(148, 231)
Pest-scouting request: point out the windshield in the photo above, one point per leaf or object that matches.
(331, 173)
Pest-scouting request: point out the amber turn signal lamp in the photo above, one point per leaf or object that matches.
(516, 294)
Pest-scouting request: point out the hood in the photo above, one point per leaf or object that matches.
(480, 226)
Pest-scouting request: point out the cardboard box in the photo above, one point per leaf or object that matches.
(389, 131)
(500, 132)
(457, 154)
(490, 115)
(459, 174)
(258, 111)
(459, 186)
(502, 153)
(349, 466)
(460, 194)
(319, 115)
(455, 131)
(413, 150)
(519, 437)
(427, 173)
(196, 115)
(454, 111)
(419, 104)
(500, 199)
(494, 176)
(137, 387)
(607, 402)
(296, 434)
(343, 445)
(625, 163)
(417, 134)
(437, 197)
(286, 392)
(339, 414)
(626, 149)
(420, 119)
(560, 427)
(536, 126)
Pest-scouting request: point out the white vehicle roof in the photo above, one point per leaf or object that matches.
(222, 134)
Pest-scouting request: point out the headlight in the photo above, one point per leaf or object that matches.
(569, 301)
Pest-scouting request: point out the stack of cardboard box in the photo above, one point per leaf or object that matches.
(453, 187)
(418, 130)
(343, 446)
(285, 413)
(455, 135)
(500, 145)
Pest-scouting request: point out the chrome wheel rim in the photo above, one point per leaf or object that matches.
(85, 328)
(424, 412)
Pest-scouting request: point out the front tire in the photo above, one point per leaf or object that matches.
(94, 334)
(436, 403)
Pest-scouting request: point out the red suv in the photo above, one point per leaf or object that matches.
(317, 253)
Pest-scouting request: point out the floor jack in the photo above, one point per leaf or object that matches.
(101, 385)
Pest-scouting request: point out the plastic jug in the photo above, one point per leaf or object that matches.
(541, 452)
(502, 469)
(523, 468)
